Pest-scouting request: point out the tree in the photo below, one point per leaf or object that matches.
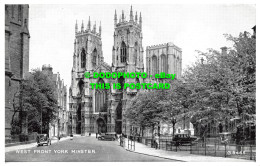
(150, 108)
(224, 85)
(39, 101)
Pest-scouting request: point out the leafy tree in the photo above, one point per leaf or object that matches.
(38, 101)
(149, 108)
(224, 85)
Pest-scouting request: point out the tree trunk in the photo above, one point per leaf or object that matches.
(173, 129)
(152, 130)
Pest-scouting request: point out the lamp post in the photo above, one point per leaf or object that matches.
(125, 125)
(173, 120)
(41, 119)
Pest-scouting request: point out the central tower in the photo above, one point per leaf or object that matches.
(127, 56)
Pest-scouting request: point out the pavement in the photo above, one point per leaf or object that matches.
(80, 149)
(104, 151)
(31, 145)
(180, 155)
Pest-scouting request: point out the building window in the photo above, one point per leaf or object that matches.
(163, 63)
(12, 11)
(81, 87)
(83, 58)
(19, 12)
(154, 65)
(136, 52)
(100, 98)
(94, 57)
(123, 52)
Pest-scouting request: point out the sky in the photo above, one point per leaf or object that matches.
(190, 27)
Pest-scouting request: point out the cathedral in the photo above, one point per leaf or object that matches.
(102, 110)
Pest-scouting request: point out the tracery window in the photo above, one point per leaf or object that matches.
(123, 52)
(154, 65)
(163, 63)
(83, 58)
(94, 57)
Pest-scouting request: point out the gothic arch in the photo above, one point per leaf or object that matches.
(78, 125)
(163, 63)
(70, 92)
(123, 52)
(94, 57)
(83, 58)
(154, 65)
(177, 66)
(137, 81)
(101, 125)
(101, 96)
(136, 52)
(121, 80)
(81, 87)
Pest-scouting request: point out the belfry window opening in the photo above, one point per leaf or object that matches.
(123, 52)
(83, 58)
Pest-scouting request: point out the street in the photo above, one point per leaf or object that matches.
(80, 149)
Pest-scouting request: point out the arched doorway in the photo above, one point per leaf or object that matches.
(101, 126)
(78, 125)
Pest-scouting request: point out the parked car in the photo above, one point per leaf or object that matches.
(107, 136)
(42, 139)
(183, 139)
(225, 137)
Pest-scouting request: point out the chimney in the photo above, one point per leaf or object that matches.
(47, 69)
(223, 50)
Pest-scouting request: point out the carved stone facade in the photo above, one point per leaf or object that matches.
(99, 110)
(87, 57)
(165, 58)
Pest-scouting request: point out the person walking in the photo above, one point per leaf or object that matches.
(156, 141)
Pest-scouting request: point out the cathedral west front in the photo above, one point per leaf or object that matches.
(102, 110)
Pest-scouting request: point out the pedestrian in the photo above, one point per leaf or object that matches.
(156, 141)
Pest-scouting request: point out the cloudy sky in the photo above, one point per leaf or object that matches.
(191, 27)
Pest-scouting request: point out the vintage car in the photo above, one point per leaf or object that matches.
(225, 137)
(107, 136)
(183, 139)
(42, 139)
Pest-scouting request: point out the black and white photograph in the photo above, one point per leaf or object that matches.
(129, 82)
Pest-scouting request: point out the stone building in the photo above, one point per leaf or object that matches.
(102, 110)
(17, 39)
(165, 58)
(59, 126)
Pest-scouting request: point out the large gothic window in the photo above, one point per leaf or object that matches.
(81, 87)
(123, 52)
(94, 57)
(83, 58)
(163, 63)
(100, 98)
(154, 65)
(136, 52)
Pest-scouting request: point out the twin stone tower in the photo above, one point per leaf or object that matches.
(102, 110)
